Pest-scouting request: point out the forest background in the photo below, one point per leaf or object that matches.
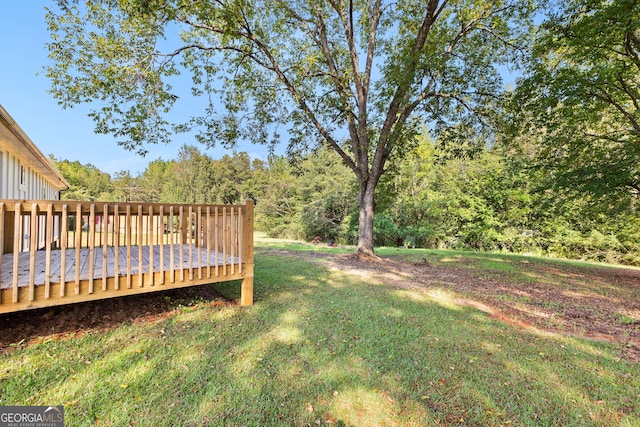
(496, 199)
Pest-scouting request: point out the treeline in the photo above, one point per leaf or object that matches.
(495, 200)
(193, 177)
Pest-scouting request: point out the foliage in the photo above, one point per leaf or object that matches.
(125, 188)
(327, 196)
(366, 71)
(490, 202)
(493, 202)
(461, 203)
(86, 182)
(153, 182)
(614, 241)
(277, 208)
(230, 178)
(194, 177)
(312, 200)
(579, 101)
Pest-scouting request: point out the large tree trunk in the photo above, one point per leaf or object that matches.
(365, 221)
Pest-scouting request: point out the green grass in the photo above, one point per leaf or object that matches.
(321, 347)
(263, 242)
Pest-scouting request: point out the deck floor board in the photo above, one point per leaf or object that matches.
(180, 252)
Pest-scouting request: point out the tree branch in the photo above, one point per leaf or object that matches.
(275, 67)
(605, 96)
(632, 46)
(272, 65)
(631, 91)
(382, 151)
(342, 90)
(375, 14)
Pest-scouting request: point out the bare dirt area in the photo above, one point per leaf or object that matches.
(601, 303)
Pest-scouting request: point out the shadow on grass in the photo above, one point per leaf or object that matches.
(322, 348)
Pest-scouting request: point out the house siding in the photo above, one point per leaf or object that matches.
(25, 174)
(18, 181)
(21, 182)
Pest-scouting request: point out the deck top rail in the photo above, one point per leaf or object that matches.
(59, 252)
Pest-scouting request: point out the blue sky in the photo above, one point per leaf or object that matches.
(67, 134)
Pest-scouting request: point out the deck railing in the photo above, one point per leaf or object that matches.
(58, 252)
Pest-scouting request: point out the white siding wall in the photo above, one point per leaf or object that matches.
(20, 182)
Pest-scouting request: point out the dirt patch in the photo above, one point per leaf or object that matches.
(597, 303)
(31, 326)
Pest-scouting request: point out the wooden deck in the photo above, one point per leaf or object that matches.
(184, 260)
(68, 252)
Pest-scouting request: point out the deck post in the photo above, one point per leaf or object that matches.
(246, 293)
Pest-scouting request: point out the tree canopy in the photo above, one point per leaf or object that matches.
(360, 77)
(580, 99)
(86, 182)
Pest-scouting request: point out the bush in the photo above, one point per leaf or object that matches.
(324, 218)
(385, 231)
(595, 246)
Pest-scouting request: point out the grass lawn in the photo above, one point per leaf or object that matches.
(323, 346)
